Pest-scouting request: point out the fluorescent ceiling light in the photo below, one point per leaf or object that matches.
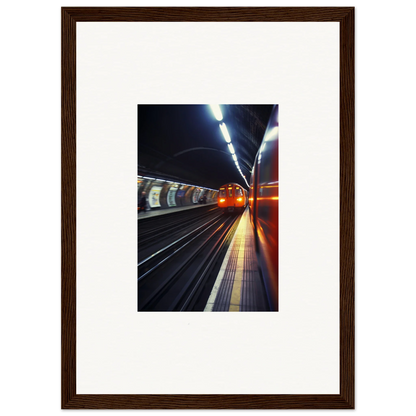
(231, 148)
(217, 111)
(235, 157)
(271, 134)
(225, 133)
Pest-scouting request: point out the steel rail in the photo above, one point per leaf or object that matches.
(210, 257)
(153, 256)
(156, 293)
(150, 235)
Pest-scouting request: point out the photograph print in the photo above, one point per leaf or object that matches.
(208, 208)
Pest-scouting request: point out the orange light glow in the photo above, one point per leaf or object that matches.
(222, 200)
(239, 199)
(273, 198)
(270, 186)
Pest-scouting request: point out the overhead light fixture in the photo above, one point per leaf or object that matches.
(225, 133)
(272, 134)
(217, 111)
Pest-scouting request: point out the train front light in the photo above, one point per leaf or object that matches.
(239, 199)
(222, 200)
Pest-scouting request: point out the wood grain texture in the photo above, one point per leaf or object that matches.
(208, 14)
(69, 398)
(68, 208)
(347, 206)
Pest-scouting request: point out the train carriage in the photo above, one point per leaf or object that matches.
(232, 198)
(264, 207)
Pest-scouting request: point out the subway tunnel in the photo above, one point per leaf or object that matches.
(207, 191)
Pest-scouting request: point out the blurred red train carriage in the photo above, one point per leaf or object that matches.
(264, 207)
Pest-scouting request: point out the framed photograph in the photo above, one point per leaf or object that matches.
(133, 80)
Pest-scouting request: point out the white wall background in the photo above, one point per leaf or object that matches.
(305, 335)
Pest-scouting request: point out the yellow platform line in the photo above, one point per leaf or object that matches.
(238, 277)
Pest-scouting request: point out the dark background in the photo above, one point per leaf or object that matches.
(184, 142)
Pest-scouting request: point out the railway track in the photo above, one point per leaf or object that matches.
(161, 227)
(179, 276)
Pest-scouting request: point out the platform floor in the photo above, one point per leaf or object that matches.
(239, 286)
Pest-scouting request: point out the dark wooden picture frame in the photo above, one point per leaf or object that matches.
(70, 399)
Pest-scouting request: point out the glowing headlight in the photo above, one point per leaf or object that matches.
(222, 200)
(239, 199)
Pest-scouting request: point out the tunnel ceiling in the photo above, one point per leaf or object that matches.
(184, 142)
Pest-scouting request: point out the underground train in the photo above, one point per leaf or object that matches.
(232, 198)
(264, 207)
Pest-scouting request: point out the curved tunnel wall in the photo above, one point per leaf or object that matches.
(162, 194)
